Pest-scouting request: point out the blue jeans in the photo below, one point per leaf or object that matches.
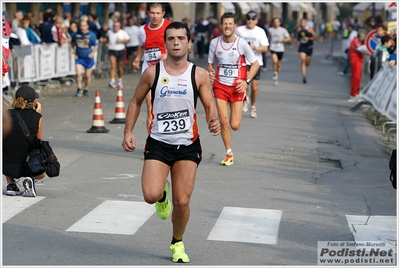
(347, 66)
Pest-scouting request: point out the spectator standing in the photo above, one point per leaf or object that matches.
(152, 45)
(278, 36)
(322, 31)
(382, 54)
(21, 32)
(16, 146)
(201, 37)
(85, 44)
(56, 31)
(381, 31)
(352, 33)
(45, 28)
(113, 17)
(102, 45)
(336, 26)
(117, 40)
(216, 31)
(93, 26)
(131, 48)
(305, 47)
(257, 40)
(18, 16)
(73, 27)
(329, 30)
(356, 55)
(67, 19)
(175, 151)
(370, 24)
(231, 78)
(31, 18)
(290, 25)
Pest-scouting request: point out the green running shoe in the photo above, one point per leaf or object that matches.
(178, 252)
(163, 209)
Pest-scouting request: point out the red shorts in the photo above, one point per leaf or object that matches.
(227, 93)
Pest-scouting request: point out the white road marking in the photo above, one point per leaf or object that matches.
(374, 229)
(122, 177)
(12, 205)
(115, 217)
(248, 225)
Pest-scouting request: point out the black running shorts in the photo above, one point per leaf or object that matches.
(168, 154)
(118, 54)
(307, 50)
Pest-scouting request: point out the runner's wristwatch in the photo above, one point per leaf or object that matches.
(248, 81)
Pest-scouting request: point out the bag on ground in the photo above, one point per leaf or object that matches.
(42, 159)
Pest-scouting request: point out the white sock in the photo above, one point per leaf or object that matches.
(228, 151)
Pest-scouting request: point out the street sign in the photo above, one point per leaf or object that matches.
(372, 41)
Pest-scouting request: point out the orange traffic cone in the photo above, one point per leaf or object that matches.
(98, 117)
(120, 115)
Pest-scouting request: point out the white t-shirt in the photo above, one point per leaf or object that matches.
(276, 34)
(256, 36)
(133, 31)
(113, 37)
(23, 37)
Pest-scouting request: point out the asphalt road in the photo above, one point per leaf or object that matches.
(303, 169)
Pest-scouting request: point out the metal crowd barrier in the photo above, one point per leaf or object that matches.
(41, 65)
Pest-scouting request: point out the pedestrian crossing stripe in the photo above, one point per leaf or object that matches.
(249, 225)
(114, 217)
(13, 205)
(374, 229)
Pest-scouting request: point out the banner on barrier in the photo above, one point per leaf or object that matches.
(46, 62)
(381, 91)
(63, 58)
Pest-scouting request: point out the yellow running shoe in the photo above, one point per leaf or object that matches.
(163, 209)
(178, 252)
(228, 160)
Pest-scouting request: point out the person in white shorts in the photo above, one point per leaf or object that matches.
(257, 40)
(279, 35)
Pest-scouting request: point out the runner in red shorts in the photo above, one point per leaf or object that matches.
(231, 78)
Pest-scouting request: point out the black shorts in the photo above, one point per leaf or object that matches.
(118, 54)
(307, 50)
(168, 154)
(131, 50)
(279, 54)
(257, 75)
